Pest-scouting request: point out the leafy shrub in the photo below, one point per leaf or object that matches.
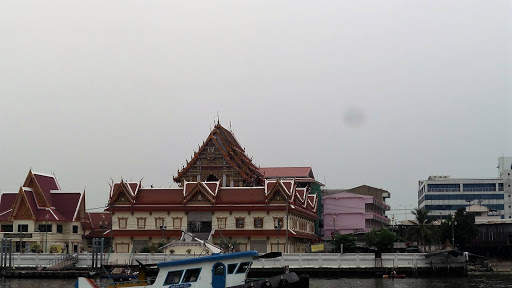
(36, 248)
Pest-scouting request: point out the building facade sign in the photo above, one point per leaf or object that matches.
(17, 235)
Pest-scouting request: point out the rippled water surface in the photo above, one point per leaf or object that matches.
(475, 281)
(478, 281)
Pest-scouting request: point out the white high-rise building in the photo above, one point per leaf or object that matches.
(443, 195)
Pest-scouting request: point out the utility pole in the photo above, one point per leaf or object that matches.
(286, 248)
(278, 227)
(453, 231)
(46, 234)
(163, 232)
(334, 222)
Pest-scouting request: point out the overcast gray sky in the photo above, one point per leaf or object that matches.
(383, 93)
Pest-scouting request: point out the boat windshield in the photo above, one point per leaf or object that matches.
(173, 277)
(232, 268)
(243, 267)
(191, 275)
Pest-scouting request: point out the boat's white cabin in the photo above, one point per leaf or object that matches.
(216, 271)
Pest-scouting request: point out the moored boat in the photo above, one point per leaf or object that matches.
(216, 271)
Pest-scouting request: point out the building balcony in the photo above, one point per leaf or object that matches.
(376, 217)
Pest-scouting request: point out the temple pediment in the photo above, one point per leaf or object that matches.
(200, 193)
(22, 209)
(220, 158)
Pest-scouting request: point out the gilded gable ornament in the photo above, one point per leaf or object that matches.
(23, 211)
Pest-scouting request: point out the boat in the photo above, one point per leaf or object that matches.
(216, 271)
(394, 275)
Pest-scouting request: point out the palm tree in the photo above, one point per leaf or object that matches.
(423, 231)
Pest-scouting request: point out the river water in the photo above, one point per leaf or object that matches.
(475, 281)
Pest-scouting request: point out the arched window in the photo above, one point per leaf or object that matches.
(212, 178)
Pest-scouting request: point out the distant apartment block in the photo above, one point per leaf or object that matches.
(443, 195)
(359, 209)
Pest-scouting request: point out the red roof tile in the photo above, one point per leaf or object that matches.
(287, 172)
(269, 185)
(41, 215)
(6, 201)
(250, 196)
(232, 152)
(300, 193)
(146, 232)
(189, 186)
(66, 204)
(95, 218)
(5, 216)
(134, 186)
(98, 233)
(46, 183)
(213, 186)
(288, 185)
(161, 196)
(115, 187)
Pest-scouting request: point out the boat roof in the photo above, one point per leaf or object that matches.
(213, 258)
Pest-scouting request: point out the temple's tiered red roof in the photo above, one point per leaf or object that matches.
(233, 154)
(210, 194)
(41, 200)
(42, 185)
(241, 196)
(6, 201)
(287, 172)
(159, 196)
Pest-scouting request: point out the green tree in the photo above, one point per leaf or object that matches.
(381, 239)
(464, 228)
(348, 241)
(423, 232)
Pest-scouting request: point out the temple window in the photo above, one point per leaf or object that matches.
(141, 223)
(212, 178)
(122, 247)
(278, 222)
(258, 222)
(240, 222)
(221, 223)
(159, 222)
(123, 222)
(176, 222)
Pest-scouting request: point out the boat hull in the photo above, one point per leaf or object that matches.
(284, 280)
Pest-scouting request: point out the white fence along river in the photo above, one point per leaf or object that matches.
(295, 260)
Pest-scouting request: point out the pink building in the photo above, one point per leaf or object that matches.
(355, 210)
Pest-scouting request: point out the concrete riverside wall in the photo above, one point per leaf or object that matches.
(295, 260)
